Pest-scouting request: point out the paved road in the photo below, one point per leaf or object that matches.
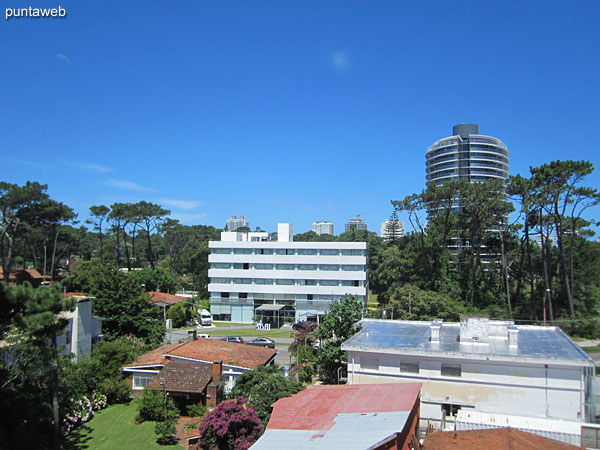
(281, 344)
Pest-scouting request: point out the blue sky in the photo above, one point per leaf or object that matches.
(286, 111)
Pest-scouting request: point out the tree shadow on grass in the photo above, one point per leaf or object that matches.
(78, 439)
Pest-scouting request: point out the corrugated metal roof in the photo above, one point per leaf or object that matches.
(316, 407)
(349, 431)
(404, 336)
(465, 420)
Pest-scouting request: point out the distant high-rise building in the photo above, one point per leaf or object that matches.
(322, 227)
(392, 229)
(234, 222)
(356, 224)
(466, 155)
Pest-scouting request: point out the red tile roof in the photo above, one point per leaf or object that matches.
(163, 297)
(208, 350)
(316, 407)
(11, 275)
(74, 294)
(231, 353)
(35, 274)
(183, 377)
(492, 439)
(154, 358)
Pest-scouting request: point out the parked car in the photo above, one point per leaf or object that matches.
(237, 339)
(262, 342)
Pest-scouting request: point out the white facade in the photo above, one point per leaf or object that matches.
(493, 367)
(82, 331)
(392, 229)
(234, 222)
(322, 228)
(274, 280)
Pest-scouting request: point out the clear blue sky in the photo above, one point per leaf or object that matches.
(286, 111)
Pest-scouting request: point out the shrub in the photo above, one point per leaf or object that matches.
(116, 390)
(196, 410)
(153, 405)
(230, 426)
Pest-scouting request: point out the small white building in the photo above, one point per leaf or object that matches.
(477, 364)
(83, 329)
(253, 278)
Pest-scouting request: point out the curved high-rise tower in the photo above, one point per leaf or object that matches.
(467, 155)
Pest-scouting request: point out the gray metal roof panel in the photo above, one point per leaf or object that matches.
(532, 341)
(356, 431)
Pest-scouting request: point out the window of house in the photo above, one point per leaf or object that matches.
(220, 266)
(285, 282)
(329, 283)
(243, 295)
(307, 267)
(309, 296)
(369, 363)
(140, 380)
(284, 267)
(409, 367)
(451, 370)
(311, 282)
(330, 267)
(307, 251)
(221, 251)
(246, 266)
(450, 410)
(237, 266)
(263, 266)
(224, 294)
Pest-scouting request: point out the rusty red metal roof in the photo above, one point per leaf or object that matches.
(316, 407)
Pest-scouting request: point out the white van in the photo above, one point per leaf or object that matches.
(205, 317)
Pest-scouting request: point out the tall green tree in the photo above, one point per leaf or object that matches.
(99, 215)
(337, 325)
(120, 300)
(151, 216)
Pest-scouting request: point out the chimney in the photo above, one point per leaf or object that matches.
(436, 329)
(192, 335)
(217, 370)
(513, 334)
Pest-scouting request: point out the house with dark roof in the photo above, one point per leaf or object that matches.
(236, 359)
(345, 417)
(477, 365)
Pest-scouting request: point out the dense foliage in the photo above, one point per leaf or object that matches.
(263, 387)
(518, 250)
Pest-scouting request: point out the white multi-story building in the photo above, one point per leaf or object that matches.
(322, 228)
(234, 222)
(392, 229)
(477, 365)
(356, 224)
(253, 278)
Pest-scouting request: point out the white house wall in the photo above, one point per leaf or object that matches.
(496, 387)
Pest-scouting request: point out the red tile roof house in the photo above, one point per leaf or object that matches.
(492, 439)
(163, 299)
(345, 417)
(190, 368)
(19, 276)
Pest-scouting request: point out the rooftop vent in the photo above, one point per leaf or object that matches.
(436, 329)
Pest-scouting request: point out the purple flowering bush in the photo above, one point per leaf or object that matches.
(230, 426)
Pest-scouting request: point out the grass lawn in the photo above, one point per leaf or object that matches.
(592, 349)
(253, 332)
(114, 428)
(229, 324)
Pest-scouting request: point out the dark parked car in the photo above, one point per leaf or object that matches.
(262, 342)
(237, 339)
